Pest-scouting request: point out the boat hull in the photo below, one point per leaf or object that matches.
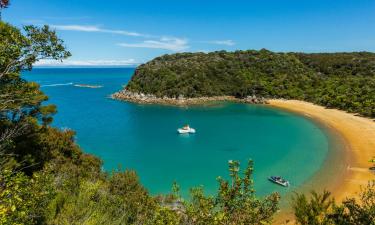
(284, 184)
(186, 131)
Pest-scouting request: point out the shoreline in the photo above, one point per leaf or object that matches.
(351, 137)
(346, 167)
(351, 142)
(125, 95)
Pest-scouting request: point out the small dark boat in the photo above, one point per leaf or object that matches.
(279, 181)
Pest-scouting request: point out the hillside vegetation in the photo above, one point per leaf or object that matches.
(339, 80)
(46, 178)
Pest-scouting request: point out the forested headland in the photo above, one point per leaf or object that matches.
(344, 81)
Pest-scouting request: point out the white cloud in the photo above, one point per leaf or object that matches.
(76, 28)
(96, 29)
(167, 43)
(125, 62)
(160, 42)
(221, 42)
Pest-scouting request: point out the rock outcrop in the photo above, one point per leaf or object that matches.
(142, 98)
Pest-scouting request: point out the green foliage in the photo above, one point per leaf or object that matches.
(23, 199)
(165, 216)
(136, 205)
(320, 209)
(340, 64)
(19, 51)
(235, 202)
(201, 209)
(94, 203)
(357, 212)
(314, 211)
(338, 80)
(21, 101)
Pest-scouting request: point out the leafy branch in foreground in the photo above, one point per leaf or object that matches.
(25, 190)
(21, 101)
(235, 202)
(322, 209)
(20, 51)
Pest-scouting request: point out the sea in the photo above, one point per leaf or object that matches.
(144, 137)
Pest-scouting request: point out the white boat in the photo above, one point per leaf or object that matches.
(186, 130)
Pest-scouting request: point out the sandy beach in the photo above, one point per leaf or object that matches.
(343, 176)
(358, 135)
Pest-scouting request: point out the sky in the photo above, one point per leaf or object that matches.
(122, 32)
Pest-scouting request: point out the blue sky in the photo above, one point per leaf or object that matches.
(121, 32)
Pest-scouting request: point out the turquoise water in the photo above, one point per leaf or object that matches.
(144, 138)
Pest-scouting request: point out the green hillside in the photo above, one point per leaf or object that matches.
(339, 80)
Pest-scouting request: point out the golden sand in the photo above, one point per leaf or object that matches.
(359, 137)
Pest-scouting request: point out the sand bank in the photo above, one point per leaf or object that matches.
(358, 146)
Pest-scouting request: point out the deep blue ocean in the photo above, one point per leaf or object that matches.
(144, 138)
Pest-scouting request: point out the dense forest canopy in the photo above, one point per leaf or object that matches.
(338, 80)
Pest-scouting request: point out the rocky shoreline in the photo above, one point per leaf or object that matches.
(125, 95)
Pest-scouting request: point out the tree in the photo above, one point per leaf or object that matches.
(19, 51)
(352, 211)
(22, 197)
(321, 209)
(20, 101)
(313, 211)
(235, 202)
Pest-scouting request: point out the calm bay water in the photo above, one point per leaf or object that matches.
(144, 138)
